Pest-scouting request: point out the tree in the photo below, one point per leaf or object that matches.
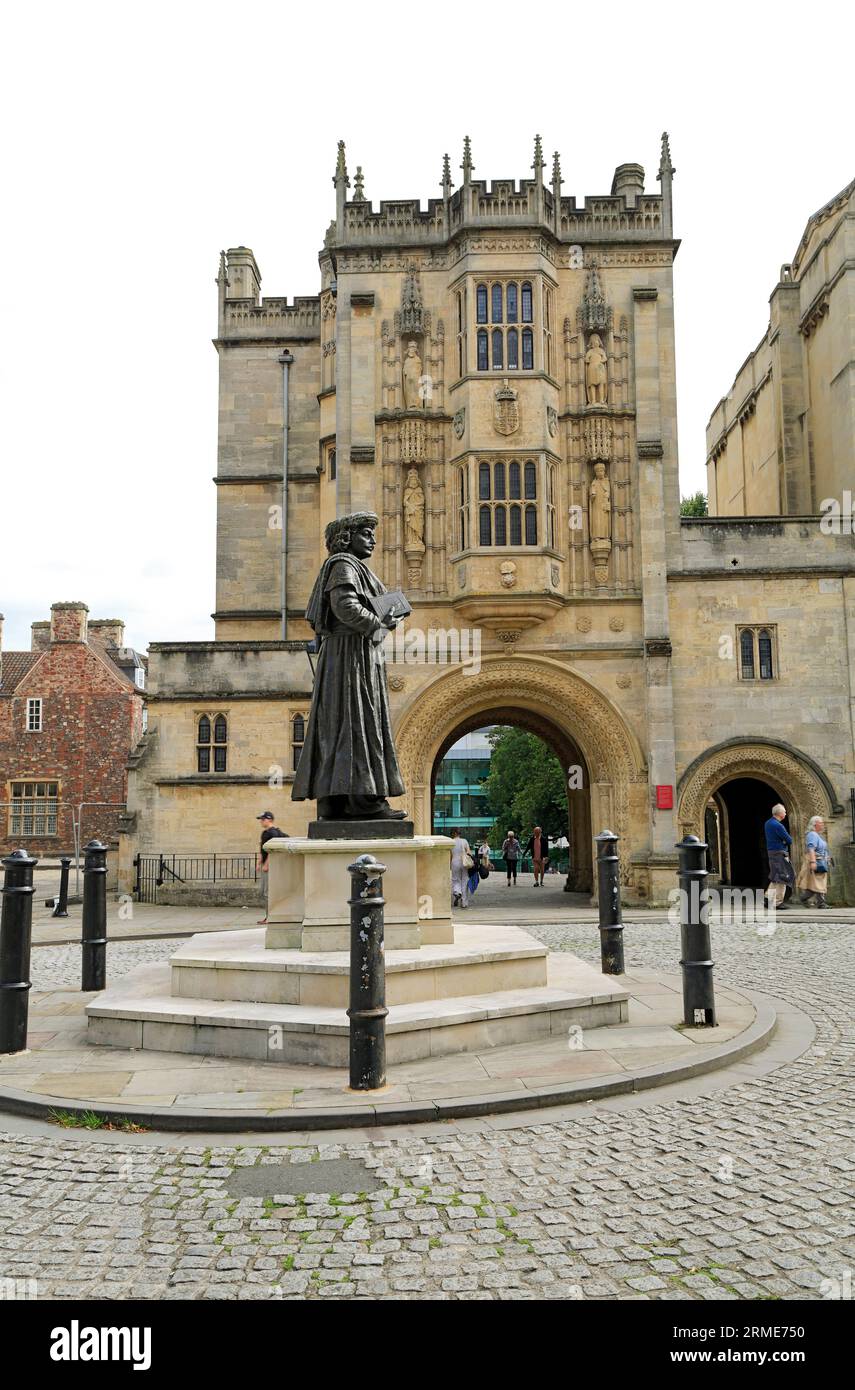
(526, 786)
(696, 505)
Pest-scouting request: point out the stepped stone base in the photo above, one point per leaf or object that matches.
(493, 987)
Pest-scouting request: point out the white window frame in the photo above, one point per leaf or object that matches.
(34, 715)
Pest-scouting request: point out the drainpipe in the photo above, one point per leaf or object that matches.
(286, 358)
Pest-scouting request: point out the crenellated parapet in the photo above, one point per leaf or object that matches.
(626, 214)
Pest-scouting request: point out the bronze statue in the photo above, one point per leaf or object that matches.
(348, 762)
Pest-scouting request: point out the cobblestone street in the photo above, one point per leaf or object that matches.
(745, 1193)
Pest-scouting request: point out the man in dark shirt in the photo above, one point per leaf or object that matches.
(269, 831)
(778, 841)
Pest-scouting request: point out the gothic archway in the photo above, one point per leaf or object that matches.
(540, 694)
(795, 778)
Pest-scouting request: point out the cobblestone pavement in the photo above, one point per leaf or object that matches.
(741, 1194)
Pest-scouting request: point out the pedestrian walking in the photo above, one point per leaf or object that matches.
(538, 848)
(813, 874)
(511, 851)
(269, 831)
(778, 842)
(462, 864)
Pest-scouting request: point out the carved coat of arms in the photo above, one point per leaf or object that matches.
(506, 410)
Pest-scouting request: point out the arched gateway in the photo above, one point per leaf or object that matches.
(577, 721)
(760, 771)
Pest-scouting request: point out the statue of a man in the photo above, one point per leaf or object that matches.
(600, 510)
(412, 372)
(348, 763)
(596, 372)
(414, 513)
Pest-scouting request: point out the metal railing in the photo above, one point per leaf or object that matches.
(155, 870)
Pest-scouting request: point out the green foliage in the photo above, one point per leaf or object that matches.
(526, 786)
(696, 505)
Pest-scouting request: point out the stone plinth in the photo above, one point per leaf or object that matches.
(309, 887)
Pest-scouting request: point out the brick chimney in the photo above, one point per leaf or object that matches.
(68, 622)
(39, 636)
(110, 632)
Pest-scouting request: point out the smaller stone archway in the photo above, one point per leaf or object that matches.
(794, 778)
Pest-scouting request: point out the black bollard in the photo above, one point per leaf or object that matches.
(94, 917)
(61, 908)
(367, 1012)
(696, 947)
(15, 939)
(608, 892)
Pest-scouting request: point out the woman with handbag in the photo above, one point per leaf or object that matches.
(462, 864)
(813, 874)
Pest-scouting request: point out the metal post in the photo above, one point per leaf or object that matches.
(61, 908)
(608, 896)
(95, 917)
(15, 938)
(852, 811)
(367, 1012)
(286, 358)
(696, 947)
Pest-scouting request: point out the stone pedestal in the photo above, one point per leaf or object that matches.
(309, 888)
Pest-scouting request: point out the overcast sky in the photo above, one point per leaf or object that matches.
(139, 141)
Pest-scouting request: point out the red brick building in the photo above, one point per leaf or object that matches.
(71, 710)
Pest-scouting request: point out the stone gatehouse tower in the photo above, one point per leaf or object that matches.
(494, 375)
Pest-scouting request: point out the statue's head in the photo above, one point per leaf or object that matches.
(352, 534)
(599, 470)
(413, 478)
(595, 340)
(411, 349)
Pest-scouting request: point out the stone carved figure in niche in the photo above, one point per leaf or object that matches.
(414, 514)
(412, 372)
(596, 371)
(600, 505)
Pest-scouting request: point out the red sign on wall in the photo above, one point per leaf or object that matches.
(664, 798)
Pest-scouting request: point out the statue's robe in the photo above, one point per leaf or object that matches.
(349, 750)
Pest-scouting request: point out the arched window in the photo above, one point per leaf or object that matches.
(531, 525)
(484, 537)
(298, 738)
(483, 480)
(516, 526)
(496, 303)
(499, 481)
(205, 745)
(550, 509)
(530, 480)
(746, 650)
(527, 316)
(332, 465)
(511, 302)
(460, 313)
(528, 350)
(764, 650)
(501, 526)
(498, 354)
(513, 349)
(481, 304)
(482, 350)
(514, 480)
(463, 508)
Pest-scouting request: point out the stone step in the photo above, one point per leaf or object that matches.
(238, 966)
(139, 1012)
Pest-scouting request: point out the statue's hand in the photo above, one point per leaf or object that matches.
(391, 621)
